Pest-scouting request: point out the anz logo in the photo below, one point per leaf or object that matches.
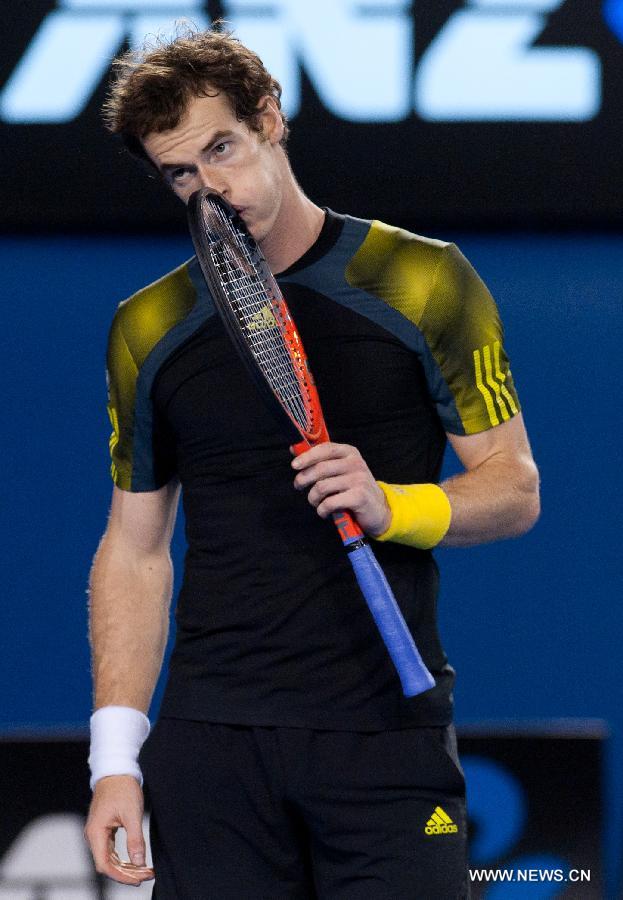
(483, 64)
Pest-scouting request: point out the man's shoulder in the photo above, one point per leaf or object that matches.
(145, 317)
(397, 265)
(392, 238)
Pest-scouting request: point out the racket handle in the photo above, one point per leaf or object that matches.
(414, 676)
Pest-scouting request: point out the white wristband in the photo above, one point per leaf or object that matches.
(117, 735)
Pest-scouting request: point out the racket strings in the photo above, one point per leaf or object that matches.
(250, 306)
(253, 296)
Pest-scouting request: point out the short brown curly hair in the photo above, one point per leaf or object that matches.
(152, 87)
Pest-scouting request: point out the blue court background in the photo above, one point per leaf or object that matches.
(534, 626)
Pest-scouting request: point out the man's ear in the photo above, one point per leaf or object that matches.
(270, 119)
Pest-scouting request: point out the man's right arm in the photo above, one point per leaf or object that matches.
(130, 591)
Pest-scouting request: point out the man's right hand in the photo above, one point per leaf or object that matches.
(118, 803)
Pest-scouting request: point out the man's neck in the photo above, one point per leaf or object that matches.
(296, 228)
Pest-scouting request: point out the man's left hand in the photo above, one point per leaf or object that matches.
(337, 478)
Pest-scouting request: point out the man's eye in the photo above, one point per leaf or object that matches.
(177, 175)
(221, 148)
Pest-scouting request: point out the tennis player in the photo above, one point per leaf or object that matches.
(286, 762)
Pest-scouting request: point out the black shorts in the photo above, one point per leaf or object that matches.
(243, 812)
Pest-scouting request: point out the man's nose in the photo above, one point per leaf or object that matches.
(208, 178)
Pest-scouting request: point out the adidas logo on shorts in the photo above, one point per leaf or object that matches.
(440, 823)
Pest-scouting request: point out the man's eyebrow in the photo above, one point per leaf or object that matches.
(166, 168)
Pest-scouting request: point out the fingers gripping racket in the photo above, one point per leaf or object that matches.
(259, 324)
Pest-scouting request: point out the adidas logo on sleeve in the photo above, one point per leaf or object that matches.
(440, 823)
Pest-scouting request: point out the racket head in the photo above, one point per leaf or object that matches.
(255, 315)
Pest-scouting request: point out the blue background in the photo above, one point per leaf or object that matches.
(534, 626)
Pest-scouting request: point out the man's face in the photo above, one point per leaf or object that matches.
(211, 148)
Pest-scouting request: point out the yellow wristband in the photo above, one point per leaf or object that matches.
(421, 514)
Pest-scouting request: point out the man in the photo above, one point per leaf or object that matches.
(286, 763)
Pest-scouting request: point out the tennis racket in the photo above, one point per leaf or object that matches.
(259, 324)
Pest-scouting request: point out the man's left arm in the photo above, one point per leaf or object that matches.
(470, 383)
(497, 496)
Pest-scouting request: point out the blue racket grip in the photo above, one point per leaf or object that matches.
(414, 676)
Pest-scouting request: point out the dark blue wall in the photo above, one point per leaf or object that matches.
(534, 626)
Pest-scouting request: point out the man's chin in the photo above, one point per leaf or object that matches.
(250, 226)
(257, 232)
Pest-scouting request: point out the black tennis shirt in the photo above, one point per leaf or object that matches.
(405, 344)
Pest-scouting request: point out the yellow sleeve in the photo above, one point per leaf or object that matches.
(141, 446)
(462, 328)
(121, 375)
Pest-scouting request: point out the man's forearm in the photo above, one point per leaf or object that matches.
(495, 500)
(129, 614)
